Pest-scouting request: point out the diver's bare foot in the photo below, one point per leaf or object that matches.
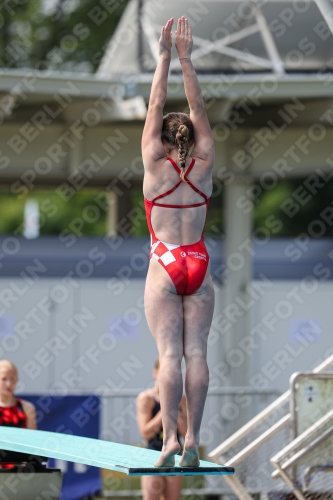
(190, 457)
(167, 457)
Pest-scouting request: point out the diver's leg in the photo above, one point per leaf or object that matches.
(198, 314)
(164, 313)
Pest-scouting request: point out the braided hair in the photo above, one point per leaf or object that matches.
(177, 131)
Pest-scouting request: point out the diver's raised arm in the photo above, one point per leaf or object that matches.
(203, 139)
(152, 148)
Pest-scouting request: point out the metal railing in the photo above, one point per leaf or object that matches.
(296, 455)
(217, 454)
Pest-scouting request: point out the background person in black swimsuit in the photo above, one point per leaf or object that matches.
(150, 425)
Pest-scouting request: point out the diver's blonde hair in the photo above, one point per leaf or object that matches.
(5, 363)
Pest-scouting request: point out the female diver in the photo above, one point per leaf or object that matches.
(179, 294)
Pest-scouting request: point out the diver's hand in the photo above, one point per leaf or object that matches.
(165, 41)
(184, 41)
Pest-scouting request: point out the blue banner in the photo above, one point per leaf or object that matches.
(77, 415)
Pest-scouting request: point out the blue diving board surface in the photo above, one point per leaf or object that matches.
(131, 460)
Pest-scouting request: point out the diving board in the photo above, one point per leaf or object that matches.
(130, 460)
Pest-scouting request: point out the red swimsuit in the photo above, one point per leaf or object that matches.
(185, 264)
(12, 416)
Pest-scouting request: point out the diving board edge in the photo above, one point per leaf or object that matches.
(175, 471)
(135, 461)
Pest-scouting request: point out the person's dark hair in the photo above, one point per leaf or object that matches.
(177, 130)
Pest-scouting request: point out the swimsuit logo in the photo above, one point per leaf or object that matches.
(198, 255)
(183, 254)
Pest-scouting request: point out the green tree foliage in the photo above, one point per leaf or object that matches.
(73, 35)
(84, 213)
(298, 205)
(291, 205)
(57, 34)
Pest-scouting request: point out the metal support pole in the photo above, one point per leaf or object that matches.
(326, 9)
(289, 482)
(269, 42)
(236, 485)
(238, 262)
(112, 213)
(75, 154)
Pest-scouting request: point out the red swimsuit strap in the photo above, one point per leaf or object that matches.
(165, 194)
(174, 164)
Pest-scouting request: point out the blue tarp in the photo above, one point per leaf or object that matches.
(77, 415)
